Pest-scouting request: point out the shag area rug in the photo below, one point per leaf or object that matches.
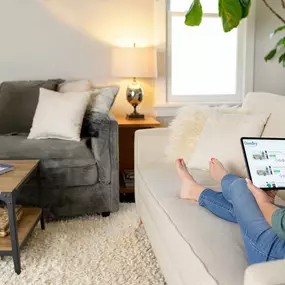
(89, 250)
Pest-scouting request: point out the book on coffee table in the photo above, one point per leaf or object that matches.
(4, 168)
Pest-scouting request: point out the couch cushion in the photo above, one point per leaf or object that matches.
(18, 102)
(63, 163)
(268, 103)
(217, 139)
(212, 246)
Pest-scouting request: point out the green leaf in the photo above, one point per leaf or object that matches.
(281, 42)
(245, 5)
(231, 13)
(282, 58)
(270, 55)
(278, 30)
(194, 14)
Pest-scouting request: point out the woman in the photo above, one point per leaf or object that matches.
(261, 222)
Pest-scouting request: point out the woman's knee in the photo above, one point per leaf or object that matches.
(235, 188)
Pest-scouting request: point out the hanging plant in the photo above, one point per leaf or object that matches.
(232, 12)
(279, 48)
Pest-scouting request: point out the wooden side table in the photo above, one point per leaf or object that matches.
(19, 233)
(127, 129)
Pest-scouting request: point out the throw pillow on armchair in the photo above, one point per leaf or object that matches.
(59, 115)
(102, 98)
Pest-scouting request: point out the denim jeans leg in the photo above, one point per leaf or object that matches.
(226, 183)
(261, 243)
(217, 204)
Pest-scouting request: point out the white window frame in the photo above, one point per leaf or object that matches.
(245, 64)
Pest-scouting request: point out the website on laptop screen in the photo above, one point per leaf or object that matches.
(266, 162)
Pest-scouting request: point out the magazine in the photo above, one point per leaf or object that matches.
(4, 168)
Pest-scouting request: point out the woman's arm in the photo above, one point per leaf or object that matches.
(265, 201)
(274, 215)
(267, 210)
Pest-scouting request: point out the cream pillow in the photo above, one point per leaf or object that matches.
(220, 138)
(102, 99)
(185, 129)
(59, 115)
(75, 86)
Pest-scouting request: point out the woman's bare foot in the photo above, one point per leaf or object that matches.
(190, 189)
(217, 170)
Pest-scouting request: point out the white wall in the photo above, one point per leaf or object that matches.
(72, 39)
(270, 76)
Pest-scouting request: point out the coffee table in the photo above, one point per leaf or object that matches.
(19, 233)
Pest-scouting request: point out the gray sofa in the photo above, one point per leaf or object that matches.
(77, 177)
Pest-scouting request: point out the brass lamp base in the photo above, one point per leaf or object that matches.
(135, 116)
(135, 96)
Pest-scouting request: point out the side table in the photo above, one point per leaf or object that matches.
(127, 129)
(19, 233)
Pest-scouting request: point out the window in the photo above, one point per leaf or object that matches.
(205, 64)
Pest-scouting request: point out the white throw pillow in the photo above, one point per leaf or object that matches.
(75, 86)
(59, 115)
(185, 129)
(220, 138)
(102, 99)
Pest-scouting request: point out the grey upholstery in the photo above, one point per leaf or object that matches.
(77, 177)
(63, 163)
(18, 102)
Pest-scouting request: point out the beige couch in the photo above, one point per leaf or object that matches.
(191, 244)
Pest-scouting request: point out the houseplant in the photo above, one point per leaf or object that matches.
(232, 12)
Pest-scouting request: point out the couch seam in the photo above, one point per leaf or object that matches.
(177, 228)
(72, 167)
(150, 217)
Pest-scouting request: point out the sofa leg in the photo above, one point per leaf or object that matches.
(106, 214)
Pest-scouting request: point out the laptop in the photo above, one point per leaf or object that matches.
(265, 161)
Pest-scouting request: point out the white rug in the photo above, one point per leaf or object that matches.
(89, 250)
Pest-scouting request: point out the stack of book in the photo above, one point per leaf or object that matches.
(128, 178)
(4, 220)
(4, 168)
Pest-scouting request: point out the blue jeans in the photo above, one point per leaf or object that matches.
(237, 204)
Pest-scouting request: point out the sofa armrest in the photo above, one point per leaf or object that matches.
(150, 145)
(103, 130)
(92, 124)
(104, 145)
(269, 273)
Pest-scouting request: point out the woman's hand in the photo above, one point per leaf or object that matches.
(265, 201)
(260, 195)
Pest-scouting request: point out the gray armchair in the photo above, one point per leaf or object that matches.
(77, 177)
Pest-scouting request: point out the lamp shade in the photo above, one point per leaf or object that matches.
(134, 62)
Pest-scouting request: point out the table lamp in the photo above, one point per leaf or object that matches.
(134, 63)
